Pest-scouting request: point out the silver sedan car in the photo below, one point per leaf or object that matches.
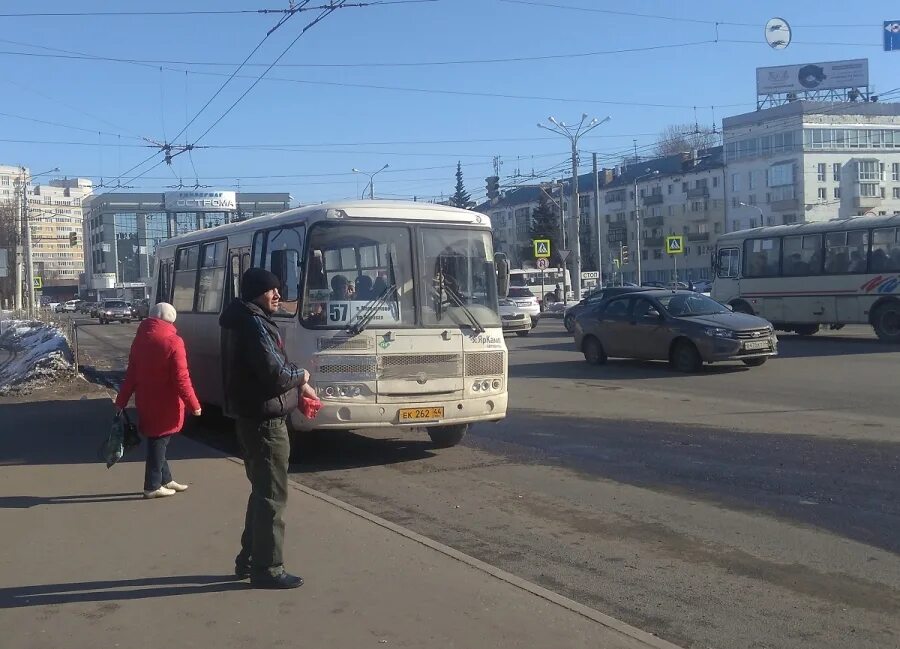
(685, 328)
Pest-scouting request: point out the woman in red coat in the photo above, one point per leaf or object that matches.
(158, 377)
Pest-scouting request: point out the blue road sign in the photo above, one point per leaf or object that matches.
(892, 35)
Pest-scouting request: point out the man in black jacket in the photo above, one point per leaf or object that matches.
(261, 389)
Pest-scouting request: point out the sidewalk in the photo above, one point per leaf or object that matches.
(88, 563)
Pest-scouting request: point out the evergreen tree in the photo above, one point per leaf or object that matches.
(460, 198)
(545, 225)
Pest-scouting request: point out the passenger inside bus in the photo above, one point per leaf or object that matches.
(857, 262)
(364, 288)
(340, 289)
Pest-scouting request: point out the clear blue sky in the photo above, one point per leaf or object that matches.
(341, 125)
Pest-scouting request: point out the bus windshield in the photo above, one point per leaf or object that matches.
(349, 267)
(459, 278)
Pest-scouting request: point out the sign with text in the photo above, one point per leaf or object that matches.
(590, 274)
(830, 75)
(201, 201)
(675, 245)
(542, 248)
(346, 312)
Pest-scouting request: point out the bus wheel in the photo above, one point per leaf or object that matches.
(886, 322)
(447, 436)
(806, 330)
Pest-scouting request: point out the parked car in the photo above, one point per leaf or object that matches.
(141, 309)
(593, 299)
(703, 286)
(683, 327)
(513, 318)
(526, 301)
(112, 310)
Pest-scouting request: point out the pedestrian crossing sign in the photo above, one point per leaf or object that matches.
(675, 245)
(541, 248)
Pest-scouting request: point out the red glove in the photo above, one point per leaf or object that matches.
(310, 406)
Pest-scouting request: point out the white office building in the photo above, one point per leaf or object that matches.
(812, 161)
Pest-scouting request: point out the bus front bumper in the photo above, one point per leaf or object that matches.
(346, 415)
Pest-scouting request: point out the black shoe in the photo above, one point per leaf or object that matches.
(282, 581)
(241, 572)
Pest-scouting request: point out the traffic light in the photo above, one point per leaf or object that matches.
(493, 187)
(624, 253)
(73, 239)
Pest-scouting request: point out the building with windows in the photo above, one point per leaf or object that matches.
(122, 230)
(809, 161)
(680, 194)
(55, 215)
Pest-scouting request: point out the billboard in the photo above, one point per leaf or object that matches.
(805, 77)
(201, 201)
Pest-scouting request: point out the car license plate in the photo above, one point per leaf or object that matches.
(421, 414)
(756, 344)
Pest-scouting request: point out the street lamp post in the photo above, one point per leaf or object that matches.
(371, 176)
(637, 220)
(573, 134)
(758, 209)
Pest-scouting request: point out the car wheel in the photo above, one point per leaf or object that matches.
(886, 322)
(447, 436)
(806, 330)
(593, 351)
(522, 334)
(685, 357)
(569, 323)
(755, 362)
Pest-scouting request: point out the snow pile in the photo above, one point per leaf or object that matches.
(32, 355)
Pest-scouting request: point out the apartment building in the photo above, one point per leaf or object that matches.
(812, 161)
(55, 213)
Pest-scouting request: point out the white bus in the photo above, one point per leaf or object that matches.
(807, 276)
(542, 283)
(391, 306)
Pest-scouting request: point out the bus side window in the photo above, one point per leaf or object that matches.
(729, 262)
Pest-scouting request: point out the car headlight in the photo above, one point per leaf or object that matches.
(719, 332)
(507, 303)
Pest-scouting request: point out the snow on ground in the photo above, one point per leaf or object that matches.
(38, 354)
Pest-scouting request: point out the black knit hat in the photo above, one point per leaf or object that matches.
(257, 281)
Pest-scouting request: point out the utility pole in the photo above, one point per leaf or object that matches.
(20, 279)
(573, 134)
(637, 220)
(597, 219)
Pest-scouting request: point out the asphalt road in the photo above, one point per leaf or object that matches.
(739, 507)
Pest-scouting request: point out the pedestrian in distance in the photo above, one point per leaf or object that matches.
(262, 387)
(158, 378)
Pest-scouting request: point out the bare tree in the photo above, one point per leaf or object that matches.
(684, 137)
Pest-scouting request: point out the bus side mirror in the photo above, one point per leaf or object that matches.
(501, 263)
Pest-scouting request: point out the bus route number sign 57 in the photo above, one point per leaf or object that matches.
(340, 313)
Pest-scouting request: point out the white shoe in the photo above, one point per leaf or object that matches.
(159, 493)
(175, 486)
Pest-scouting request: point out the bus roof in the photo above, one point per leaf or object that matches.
(343, 211)
(853, 223)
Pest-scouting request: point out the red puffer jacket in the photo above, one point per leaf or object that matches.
(158, 375)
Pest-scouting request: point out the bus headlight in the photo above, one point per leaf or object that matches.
(343, 391)
(486, 385)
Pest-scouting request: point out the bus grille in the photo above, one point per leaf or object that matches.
(411, 366)
(484, 363)
(754, 334)
(358, 343)
(347, 365)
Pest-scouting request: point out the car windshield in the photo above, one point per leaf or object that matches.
(114, 304)
(351, 266)
(520, 292)
(460, 280)
(682, 305)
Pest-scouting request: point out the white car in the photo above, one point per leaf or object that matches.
(526, 301)
(513, 318)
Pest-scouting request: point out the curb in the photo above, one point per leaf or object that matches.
(608, 621)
